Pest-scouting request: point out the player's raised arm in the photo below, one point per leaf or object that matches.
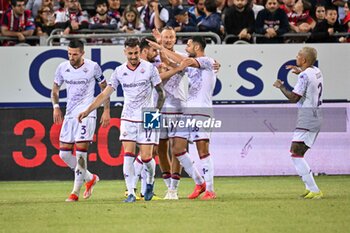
(295, 69)
(101, 98)
(170, 54)
(106, 117)
(57, 113)
(161, 95)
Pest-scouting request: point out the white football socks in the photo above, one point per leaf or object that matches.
(187, 163)
(167, 179)
(305, 173)
(208, 172)
(138, 166)
(80, 171)
(150, 167)
(129, 172)
(71, 161)
(174, 181)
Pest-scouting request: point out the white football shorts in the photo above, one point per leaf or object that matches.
(134, 131)
(72, 131)
(308, 137)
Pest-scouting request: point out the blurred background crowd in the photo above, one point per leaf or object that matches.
(234, 21)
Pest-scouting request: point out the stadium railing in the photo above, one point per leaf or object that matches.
(87, 34)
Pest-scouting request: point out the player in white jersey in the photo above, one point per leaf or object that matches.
(202, 79)
(307, 93)
(150, 54)
(79, 75)
(176, 88)
(138, 78)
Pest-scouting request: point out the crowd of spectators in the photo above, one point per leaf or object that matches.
(248, 21)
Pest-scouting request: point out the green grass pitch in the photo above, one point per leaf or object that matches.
(244, 204)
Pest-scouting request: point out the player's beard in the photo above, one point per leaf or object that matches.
(76, 63)
(133, 62)
(151, 59)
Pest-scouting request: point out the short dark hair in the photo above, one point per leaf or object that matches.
(75, 43)
(131, 42)
(101, 2)
(14, 2)
(199, 40)
(144, 43)
(210, 5)
(331, 8)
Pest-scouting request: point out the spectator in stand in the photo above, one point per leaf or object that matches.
(72, 18)
(346, 20)
(272, 22)
(320, 13)
(288, 7)
(298, 15)
(221, 5)
(17, 23)
(173, 5)
(256, 7)
(4, 5)
(324, 31)
(184, 22)
(340, 6)
(212, 21)
(102, 20)
(239, 21)
(304, 21)
(197, 10)
(35, 5)
(45, 21)
(139, 3)
(154, 15)
(130, 21)
(115, 10)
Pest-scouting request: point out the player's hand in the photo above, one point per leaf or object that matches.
(156, 34)
(105, 119)
(57, 116)
(154, 44)
(82, 115)
(216, 66)
(295, 69)
(278, 83)
(185, 63)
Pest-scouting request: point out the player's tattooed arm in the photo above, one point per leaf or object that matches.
(161, 96)
(291, 96)
(57, 113)
(106, 117)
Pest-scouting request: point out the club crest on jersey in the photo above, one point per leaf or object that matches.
(125, 74)
(67, 70)
(142, 70)
(85, 70)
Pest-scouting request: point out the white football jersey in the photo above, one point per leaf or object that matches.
(310, 87)
(176, 91)
(80, 85)
(137, 85)
(201, 83)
